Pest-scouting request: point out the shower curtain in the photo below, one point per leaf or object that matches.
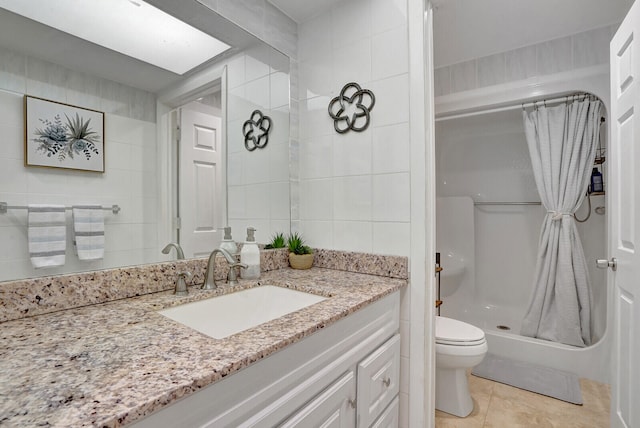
(562, 143)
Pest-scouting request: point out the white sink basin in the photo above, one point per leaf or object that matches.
(222, 316)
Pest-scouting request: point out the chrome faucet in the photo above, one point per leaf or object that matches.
(181, 285)
(209, 275)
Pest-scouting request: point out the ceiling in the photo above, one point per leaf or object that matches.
(467, 29)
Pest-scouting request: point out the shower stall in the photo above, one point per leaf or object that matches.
(488, 227)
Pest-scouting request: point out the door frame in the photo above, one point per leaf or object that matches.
(167, 102)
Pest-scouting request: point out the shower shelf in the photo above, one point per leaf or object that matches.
(597, 193)
(599, 161)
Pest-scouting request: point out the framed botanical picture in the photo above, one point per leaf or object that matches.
(63, 136)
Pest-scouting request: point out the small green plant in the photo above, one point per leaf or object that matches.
(277, 241)
(296, 245)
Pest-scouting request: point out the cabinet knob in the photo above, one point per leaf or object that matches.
(352, 403)
(386, 381)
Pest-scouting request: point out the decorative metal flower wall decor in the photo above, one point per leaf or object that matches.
(256, 131)
(351, 109)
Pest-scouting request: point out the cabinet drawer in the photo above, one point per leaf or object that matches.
(389, 418)
(378, 381)
(334, 407)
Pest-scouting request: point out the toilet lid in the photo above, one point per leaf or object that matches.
(454, 332)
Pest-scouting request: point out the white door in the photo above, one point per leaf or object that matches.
(200, 190)
(624, 191)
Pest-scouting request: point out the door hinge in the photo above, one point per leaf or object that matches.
(178, 133)
(177, 222)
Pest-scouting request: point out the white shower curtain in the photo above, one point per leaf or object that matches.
(562, 143)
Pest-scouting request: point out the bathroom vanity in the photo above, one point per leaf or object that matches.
(122, 362)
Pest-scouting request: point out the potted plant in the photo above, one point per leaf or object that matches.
(300, 255)
(277, 241)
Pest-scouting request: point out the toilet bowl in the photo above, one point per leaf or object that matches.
(459, 346)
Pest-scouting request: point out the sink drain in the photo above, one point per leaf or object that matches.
(503, 327)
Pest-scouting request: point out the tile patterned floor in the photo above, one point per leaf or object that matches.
(502, 406)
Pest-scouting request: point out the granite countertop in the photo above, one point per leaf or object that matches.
(113, 363)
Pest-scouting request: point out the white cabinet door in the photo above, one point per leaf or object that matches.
(378, 381)
(389, 418)
(624, 187)
(333, 408)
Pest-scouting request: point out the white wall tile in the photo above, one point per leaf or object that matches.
(313, 37)
(236, 199)
(279, 201)
(316, 157)
(236, 71)
(554, 56)
(258, 94)
(351, 63)
(352, 198)
(352, 236)
(13, 71)
(391, 148)
(278, 161)
(392, 238)
(591, 47)
(316, 199)
(256, 64)
(317, 234)
(257, 200)
(316, 77)
(491, 70)
(520, 63)
(12, 141)
(11, 108)
(314, 118)
(388, 15)
(46, 80)
(390, 55)
(463, 76)
(351, 21)
(352, 153)
(442, 81)
(391, 200)
(279, 82)
(256, 165)
(392, 101)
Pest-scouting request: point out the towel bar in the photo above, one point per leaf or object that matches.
(4, 207)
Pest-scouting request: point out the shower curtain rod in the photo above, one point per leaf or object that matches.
(523, 106)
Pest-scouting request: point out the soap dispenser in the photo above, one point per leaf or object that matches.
(250, 256)
(596, 181)
(228, 243)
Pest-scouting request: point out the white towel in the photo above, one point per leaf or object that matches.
(47, 234)
(88, 231)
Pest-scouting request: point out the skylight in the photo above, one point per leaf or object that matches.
(131, 27)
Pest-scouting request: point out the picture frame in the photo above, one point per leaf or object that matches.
(59, 135)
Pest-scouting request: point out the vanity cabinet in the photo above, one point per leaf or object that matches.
(335, 407)
(344, 375)
(378, 381)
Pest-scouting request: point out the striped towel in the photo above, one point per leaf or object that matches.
(47, 234)
(88, 231)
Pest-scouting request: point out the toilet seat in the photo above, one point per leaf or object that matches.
(457, 333)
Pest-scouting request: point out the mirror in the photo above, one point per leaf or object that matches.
(140, 102)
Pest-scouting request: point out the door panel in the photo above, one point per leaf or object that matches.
(624, 197)
(200, 189)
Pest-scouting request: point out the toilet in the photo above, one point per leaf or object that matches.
(459, 346)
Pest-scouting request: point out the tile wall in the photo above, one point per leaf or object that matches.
(354, 188)
(585, 49)
(129, 180)
(258, 181)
